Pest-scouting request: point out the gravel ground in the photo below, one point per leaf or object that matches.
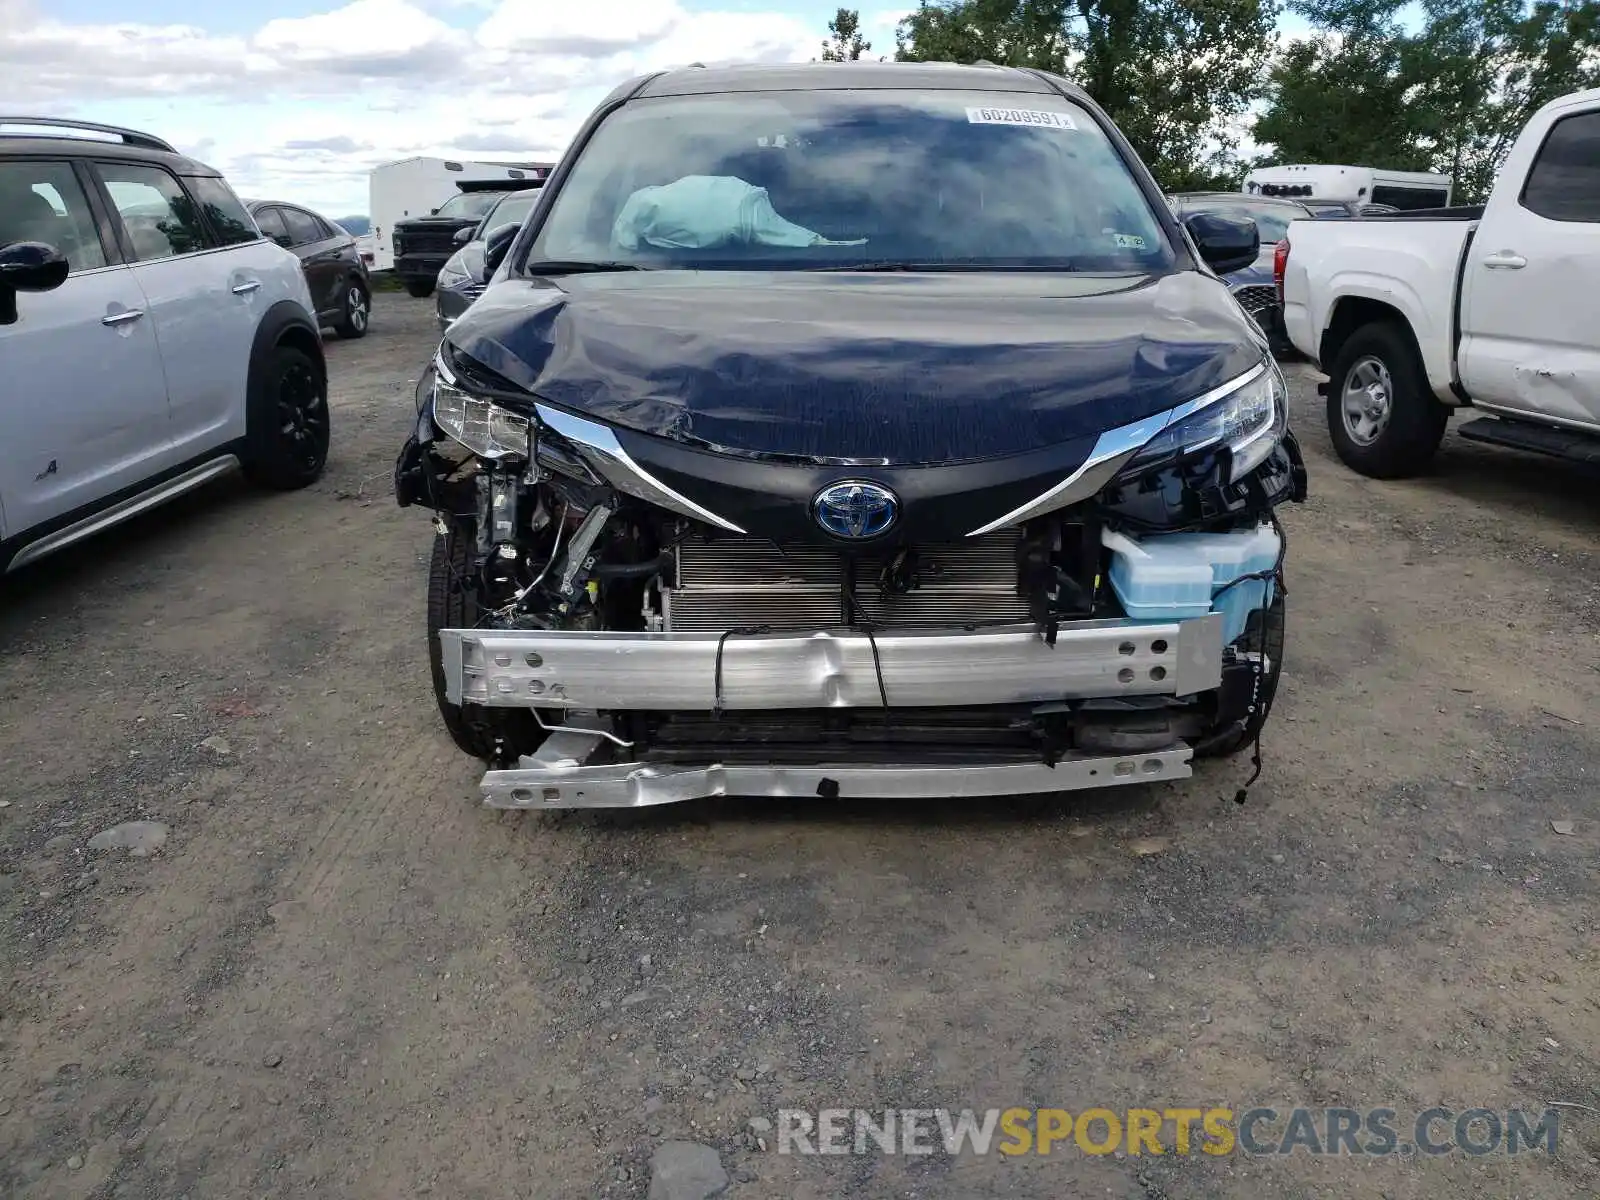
(339, 974)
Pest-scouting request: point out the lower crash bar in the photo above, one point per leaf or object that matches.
(558, 776)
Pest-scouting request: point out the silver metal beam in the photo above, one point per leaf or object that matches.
(556, 778)
(921, 668)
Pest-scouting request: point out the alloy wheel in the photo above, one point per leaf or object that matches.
(302, 414)
(1368, 400)
(356, 308)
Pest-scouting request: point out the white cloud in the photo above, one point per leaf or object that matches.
(879, 27)
(303, 107)
(330, 145)
(367, 37)
(722, 37)
(56, 62)
(595, 26)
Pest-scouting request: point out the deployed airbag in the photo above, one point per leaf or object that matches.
(706, 212)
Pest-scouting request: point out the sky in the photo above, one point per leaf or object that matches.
(299, 99)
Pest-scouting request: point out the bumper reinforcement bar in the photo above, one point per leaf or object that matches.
(557, 777)
(937, 667)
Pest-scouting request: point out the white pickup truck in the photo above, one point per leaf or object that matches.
(1493, 306)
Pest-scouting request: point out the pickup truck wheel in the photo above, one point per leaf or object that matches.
(286, 421)
(420, 288)
(1384, 421)
(496, 735)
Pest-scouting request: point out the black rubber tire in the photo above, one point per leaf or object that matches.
(353, 323)
(1417, 420)
(420, 288)
(496, 735)
(286, 420)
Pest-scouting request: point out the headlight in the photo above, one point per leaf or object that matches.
(478, 424)
(457, 270)
(1248, 419)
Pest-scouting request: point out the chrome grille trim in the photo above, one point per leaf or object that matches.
(1111, 452)
(608, 457)
(1256, 298)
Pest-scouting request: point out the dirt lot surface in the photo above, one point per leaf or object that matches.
(339, 975)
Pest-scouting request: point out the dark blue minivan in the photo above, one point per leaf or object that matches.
(853, 430)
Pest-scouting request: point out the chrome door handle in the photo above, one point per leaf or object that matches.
(123, 317)
(1505, 260)
(245, 288)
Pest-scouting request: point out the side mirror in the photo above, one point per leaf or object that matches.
(463, 236)
(28, 267)
(1226, 244)
(497, 247)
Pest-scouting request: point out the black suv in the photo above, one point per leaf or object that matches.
(423, 245)
(335, 272)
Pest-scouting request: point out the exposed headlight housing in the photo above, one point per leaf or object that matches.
(1248, 419)
(480, 425)
(561, 442)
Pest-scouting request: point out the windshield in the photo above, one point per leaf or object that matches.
(800, 180)
(1272, 220)
(467, 204)
(512, 210)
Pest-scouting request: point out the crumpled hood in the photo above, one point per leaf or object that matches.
(872, 369)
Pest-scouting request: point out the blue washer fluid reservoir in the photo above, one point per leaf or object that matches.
(1173, 576)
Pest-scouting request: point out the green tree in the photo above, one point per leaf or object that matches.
(1343, 101)
(846, 43)
(1450, 96)
(1177, 76)
(1482, 69)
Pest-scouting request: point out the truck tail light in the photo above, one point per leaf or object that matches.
(1280, 260)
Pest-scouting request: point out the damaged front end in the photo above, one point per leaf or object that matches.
(619, 620)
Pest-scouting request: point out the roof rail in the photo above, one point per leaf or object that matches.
(130, 137)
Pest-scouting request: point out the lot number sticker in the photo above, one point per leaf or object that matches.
(1030, 117)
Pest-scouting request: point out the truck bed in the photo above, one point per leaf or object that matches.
(1410, 264)
(1458, 212)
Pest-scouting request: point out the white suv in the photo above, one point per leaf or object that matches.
(150, 338)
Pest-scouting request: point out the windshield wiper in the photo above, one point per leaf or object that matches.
(873, 267)
(563, 266)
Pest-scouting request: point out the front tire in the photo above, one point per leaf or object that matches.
(420, 288)
(357, 312)
(1382, 417)
(286, 422)
(496, 735)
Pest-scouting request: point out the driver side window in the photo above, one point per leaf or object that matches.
(43, 202)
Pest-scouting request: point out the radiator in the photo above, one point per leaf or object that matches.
(726, 583)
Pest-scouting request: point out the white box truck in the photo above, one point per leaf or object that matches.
(1330, 183)
(414, 187)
